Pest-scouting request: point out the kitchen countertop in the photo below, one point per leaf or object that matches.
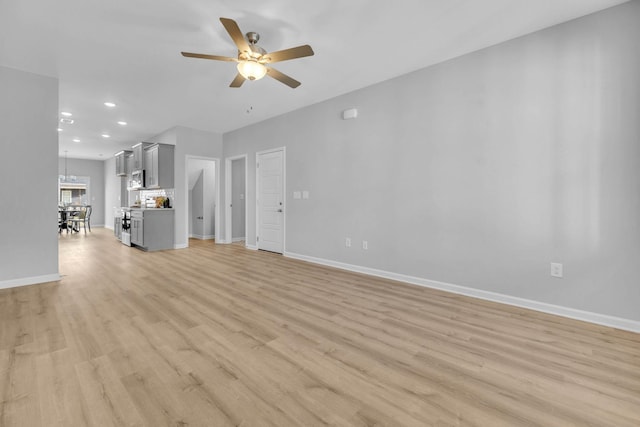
(149, 209)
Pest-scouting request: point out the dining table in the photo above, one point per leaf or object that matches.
(65, 214)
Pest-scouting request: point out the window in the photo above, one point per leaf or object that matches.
(73, 190)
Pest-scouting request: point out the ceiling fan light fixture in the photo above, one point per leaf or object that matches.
(251, 69)
(252, 58)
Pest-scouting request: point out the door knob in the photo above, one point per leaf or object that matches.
(279, 210)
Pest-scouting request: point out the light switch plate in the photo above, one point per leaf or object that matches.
(296, 195)
(305, 194)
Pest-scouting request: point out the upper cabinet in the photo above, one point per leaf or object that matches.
(121, 162)
(138, 155)
(158, 165)
(129, 163)
(155, 159)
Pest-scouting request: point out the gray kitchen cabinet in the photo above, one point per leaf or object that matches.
(137, 230)
(158, 164)
(152, 229)
(150, 178)
(138, 155)
(129, 163)
(121, 162)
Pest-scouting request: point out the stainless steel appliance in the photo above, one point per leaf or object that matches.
(137, 179)
(126, 227)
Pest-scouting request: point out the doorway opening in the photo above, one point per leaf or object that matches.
(202, 194)
(236, 195)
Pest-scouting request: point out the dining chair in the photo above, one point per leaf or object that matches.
(83, 217)
(62, 220)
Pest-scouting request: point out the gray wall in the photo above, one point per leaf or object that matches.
(28, 169)
(238, 199)
(95, 170)
(482, 170)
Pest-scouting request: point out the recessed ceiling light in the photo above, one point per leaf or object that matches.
(66, 114)
(110, 104)
(104, 135)
(121, 123)
(59, 129)
(76, 140)
(66, 121)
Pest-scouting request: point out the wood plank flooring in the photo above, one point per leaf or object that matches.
(218, 335)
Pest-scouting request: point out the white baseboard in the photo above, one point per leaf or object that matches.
(25, 281)
(181, 246)
(252, 247)
(572, 313)
(201, 237)
(238, 239)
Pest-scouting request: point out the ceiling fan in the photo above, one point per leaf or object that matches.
(252, 59)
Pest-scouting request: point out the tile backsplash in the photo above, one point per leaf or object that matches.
(161, 192)
(142, 195)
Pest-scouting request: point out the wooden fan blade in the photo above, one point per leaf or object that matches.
(282, 78)
(292, 53)
(236, 35)
(237, 82)
(215, 57)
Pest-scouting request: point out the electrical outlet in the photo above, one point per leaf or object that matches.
(347, 242)
(556, 270)
(365, 245)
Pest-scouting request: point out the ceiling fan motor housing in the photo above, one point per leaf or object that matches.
(256, 51)
(253, 37)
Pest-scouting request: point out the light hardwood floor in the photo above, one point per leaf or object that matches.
(217, 335)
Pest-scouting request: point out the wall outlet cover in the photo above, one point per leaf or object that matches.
(556, 270)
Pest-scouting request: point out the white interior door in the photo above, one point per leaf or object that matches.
(270, 201)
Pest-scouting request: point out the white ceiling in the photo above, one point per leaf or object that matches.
(128, 52)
